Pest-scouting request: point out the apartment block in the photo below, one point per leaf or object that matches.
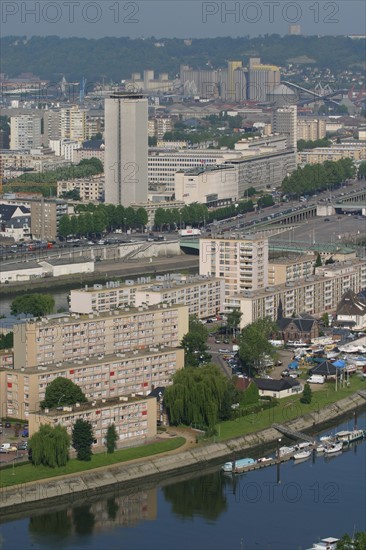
(73, 338)
(315, 294)
(311, 129)
(285, 270)
(45, 217)
(241, 262)
(356, 151)
(91, 189)
(204, 296)
(134, 419)
(102, 377)
(25, 132)
(284, 121)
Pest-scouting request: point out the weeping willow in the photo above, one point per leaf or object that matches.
(50, 446)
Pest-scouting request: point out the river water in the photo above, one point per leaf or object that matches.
(317, 498)
(61, 298)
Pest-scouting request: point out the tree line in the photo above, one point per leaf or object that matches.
(313, 178)
(302, 144)
(94, 219)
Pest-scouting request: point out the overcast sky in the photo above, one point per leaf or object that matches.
(182, 19)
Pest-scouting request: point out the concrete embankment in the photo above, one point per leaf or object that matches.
(127, 476)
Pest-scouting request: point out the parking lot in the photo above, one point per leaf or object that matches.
(13, 436)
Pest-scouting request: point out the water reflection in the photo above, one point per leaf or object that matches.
(203, 496)
(55, 529)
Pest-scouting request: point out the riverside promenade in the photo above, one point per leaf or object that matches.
(190, 458)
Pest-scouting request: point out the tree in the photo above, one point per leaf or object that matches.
(362, 170)
(197, 396)
(358, 542)
(82, 439)
(254, 342)
(307, 395)
(35, 304)
(233, 320)
(62, 391)
(50, 446)
(194, 343)
(318, 262)
(6, 340)
(325, 319)
(111, 439)
(64, 228)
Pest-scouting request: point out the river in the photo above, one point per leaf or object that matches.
(61, 298)
(318, 498)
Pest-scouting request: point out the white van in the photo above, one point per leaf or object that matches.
(316, 379)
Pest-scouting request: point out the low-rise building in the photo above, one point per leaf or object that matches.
(277, 389)
(21, 271)
(133, 417)
(351, 311)
(63, 266)
(134, 372)
(15, 221)
(204, 296)
(90, 189)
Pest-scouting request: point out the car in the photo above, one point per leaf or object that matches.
(326, 219)
(223, 350)
(7, 425)
(23, 446)
(217, 341)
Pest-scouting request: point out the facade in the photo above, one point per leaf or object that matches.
(205, 185)
(158, 126)
(278, 388)
(126, 149)
(73, 123)
(133, 417)
(51, 341)
(315, 295)
(351, 311)
(88, 153)
(112, 376)
(334, 153)
(25, 132)
(311, 129)
(91, 189)
(15, 221)
(304, 328)
(204, 296)
(64, 148)
(14, 163)
(151, 207)
(284, 121)
(287, 270)
(63, 266)
(263, 79)
(6, 359)
(241, 262)
(25, 271)
(45, 217)
(163, 164)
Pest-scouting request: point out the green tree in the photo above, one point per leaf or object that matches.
(195, 343)
(35, 304)
(141, 218)
(362, 170)
(250, 395)
(82, 439)
(325, 319)
(74, 222)
(50, 446)
(197, 396)
(111, 438)
(233, 320)
(62, 391)
(307, 395)
(64, 228)
(358, 542)
(6, 340)
(254, 342)
(318, 262)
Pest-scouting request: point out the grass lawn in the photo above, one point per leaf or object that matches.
(287, 409)
(24, 473)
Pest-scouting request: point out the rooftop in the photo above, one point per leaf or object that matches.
(90, 405)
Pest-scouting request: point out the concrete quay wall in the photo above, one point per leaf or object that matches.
(126, 476)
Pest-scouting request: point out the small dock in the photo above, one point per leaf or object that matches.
(292, 434)
(272, 462)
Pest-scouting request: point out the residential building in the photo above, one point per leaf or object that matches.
(90, 149)
(126, 149)
(76, 337)
(241, 262)
(351, 311)
(315, 294)
(91, 189)
(158, 126)
(45, 217)
(278, 388)
(311, 129)
(284, 270)
(111, 376)
(64, 148)
(133, 417)
(15, 163)
(151, 207)
(73, 123)
(355, 151)
(204, 296)
(207, 184)
(6, 359)
(25, 132)
(15, 221)
(284, 121)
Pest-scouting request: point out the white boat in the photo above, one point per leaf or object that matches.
(334, 448)
(236, 465)
(301, 455)
(302, 446)
(329, 543)
(264, 459)
(286, 450)
(326, 438)
(320, 448)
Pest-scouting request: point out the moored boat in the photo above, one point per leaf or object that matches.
(320, 448)
(302, 455)
(235, 465)
(333, 448)
(286, 450)
(348, 436)
(264, 459)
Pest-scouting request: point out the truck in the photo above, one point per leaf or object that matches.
(7, 448)
(316, 379)
(189, 232)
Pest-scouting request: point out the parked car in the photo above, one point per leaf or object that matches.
(23, 446)
(7, 425)
(7, 448)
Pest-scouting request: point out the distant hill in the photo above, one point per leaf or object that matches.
(116, 58)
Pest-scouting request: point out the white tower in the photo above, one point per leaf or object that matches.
(126, 148)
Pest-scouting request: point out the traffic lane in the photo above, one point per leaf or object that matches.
(217, 358)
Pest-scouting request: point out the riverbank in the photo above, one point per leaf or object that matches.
(106, 271)
(129, 476)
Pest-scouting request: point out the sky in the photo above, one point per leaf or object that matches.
(180, 18)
